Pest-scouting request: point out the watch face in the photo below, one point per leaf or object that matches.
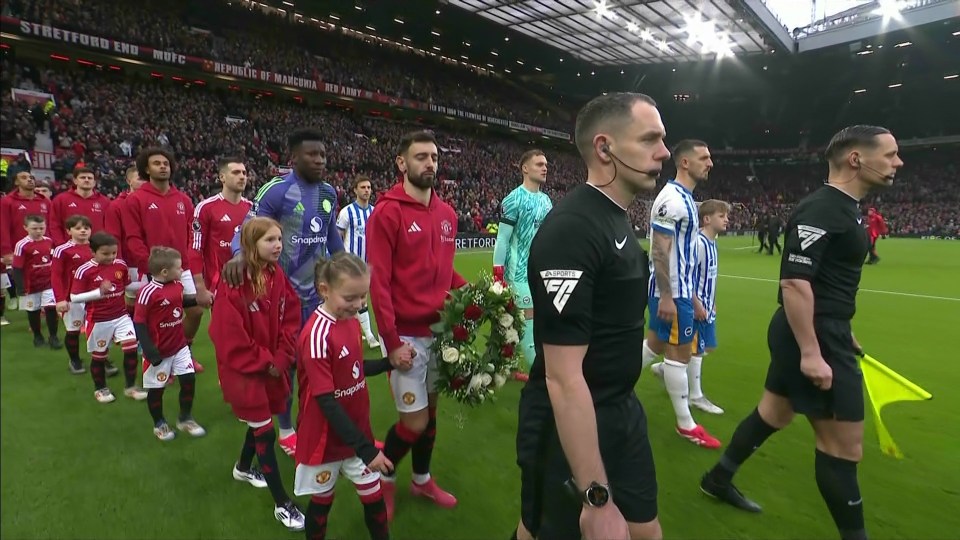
(597, 495)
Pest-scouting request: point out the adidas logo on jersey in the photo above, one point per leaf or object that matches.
(254, 307)
(344, 352)
(414, 228)
(21, 207)
(225, 218)
(35, 252)
(561, 284)
(75, 256)
(165, 302)
(72, 205)
(809, 235)
(153, 206)
(98, 278)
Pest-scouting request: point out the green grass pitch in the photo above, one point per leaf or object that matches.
(72, 468)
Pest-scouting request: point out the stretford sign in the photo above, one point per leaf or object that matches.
(73, 38)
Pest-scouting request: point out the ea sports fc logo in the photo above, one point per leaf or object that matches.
(323, 477)
(408, 398)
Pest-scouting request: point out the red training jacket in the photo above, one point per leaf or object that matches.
(410, 249)
(250, 333)
(150, 219)
(877, 225)
(70, 203)
(113, 221)
(13, 209)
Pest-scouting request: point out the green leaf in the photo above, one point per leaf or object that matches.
(438, 328)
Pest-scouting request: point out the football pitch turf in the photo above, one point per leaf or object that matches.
(73, 468)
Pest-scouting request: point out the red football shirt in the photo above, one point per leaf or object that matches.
(90, 276)
(215, 221)
(66, 259)
(330, 361)
(34, 258)
(160, 307)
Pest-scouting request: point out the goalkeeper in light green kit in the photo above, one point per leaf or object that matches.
(521, 213)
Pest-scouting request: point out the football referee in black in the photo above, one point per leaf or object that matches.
(578, 412)
(813, 355)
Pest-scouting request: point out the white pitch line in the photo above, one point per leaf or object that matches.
(894, 293)
(744, 247)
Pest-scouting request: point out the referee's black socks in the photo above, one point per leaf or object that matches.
(750, 434)
(837, 480)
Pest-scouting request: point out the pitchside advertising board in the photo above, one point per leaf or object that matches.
(475, 241)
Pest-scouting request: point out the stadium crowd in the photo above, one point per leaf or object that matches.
(233, 34)
(103, 119)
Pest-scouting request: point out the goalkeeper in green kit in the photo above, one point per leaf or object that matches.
(521, 213)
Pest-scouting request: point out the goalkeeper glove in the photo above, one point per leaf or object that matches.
(498, 274)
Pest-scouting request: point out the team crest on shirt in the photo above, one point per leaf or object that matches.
(29, 305)
(76, 324)
(181, 209)
(162, 376)
(101, 343)
(118, 274)
(408, 398)
(323, 477)
(43, 207)
(96, 207)
(446, 227)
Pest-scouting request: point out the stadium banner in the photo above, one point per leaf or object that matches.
(31, 97)
(475, 241)
(314, 84)
(13, 154)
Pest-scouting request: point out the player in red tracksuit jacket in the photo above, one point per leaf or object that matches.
(83, 200)
(254, 330)
(157, 214)
(14, 208)
(411, 243)
(113, 224)
(877, 227)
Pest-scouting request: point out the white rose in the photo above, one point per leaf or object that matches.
(499, 380)
(485, 380)
(506, 320)
(511, 336)
(475, 383)
(451, 355)
(496, 288)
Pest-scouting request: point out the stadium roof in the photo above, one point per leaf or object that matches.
(623, 32)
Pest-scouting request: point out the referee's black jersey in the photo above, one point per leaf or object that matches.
(588, 278)
(826, 245)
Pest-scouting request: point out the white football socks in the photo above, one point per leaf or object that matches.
(675, 379)
(693, 374)
(364, 317)
(648, 356)
(420, 479)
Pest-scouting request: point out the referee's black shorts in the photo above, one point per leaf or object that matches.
(627, 458)
(844, 400)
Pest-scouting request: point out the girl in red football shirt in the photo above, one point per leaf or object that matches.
(334, 436)
(254, 331)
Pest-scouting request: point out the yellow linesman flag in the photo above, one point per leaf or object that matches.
(884, 386)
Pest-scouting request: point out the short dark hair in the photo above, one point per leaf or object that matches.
(34, 218)
(530, 154)
(683, 147)
(298, 137)
(852, 137)
(600, 112)
(77, 219)
(143, 159)
(414, 137)
(101, 239)
(227, 160)
(361, 178)
(81, 170)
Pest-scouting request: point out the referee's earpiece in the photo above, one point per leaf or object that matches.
(605, 148)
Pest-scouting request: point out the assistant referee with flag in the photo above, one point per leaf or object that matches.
(814, 370)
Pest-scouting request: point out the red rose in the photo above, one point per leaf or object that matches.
(472, 313)
(507, 351)
(510, 305)
(460, 333)
(458, 383)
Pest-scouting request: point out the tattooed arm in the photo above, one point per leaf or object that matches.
(660, 246)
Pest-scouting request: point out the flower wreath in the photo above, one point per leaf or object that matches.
(467, 374)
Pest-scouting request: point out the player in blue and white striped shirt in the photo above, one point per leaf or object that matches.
(352, 223)
(713, 221)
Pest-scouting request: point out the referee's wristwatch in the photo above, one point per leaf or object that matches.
(596, 495)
